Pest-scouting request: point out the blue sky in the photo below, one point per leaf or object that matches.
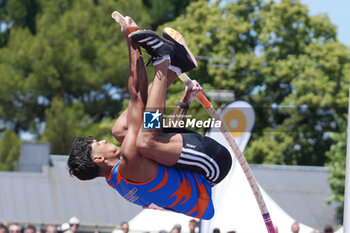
(337, 11)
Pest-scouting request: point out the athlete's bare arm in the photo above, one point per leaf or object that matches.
(120, 127)
(134, 167)
(187, 98)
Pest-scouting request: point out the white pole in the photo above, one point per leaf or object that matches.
(346, 221)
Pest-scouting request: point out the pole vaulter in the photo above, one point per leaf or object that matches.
(228, 136)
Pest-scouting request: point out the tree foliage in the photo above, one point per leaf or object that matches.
(63, 125)
(77, 53)
(162, 11)
(10, 146)
(288, 64)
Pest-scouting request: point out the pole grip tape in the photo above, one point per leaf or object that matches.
(201, 97)
(204, 101)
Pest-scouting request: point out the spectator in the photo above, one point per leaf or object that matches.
(295, 227)
(51, 229)
(231, 232)
(216, 230)
(117, 230)
(30, 229)
(65, 228)
(328, 229)
(192, 225)
(74, 224)
(124, 226)
(176, 229)
(14, 228)
(3, 228)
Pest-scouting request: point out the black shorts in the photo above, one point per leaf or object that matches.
(204, 155)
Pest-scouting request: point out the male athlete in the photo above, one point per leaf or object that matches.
(154, 169)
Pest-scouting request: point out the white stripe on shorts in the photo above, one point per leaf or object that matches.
(191, 162)
(204, 159)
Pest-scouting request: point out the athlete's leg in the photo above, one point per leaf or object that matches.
(121, 125)
(189, 151)
(153, 144)
(204, 155)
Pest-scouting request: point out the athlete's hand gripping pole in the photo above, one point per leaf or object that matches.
(239, 155)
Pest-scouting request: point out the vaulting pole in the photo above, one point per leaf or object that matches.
(239, 155)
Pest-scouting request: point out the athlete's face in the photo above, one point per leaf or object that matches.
(104, 149)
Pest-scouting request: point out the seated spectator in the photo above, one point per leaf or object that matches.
(65, 228)
(74, 223)
(176, 229)
(295, 227)
(30, 229)
(328, 229)
(3, 228)
(14, 228)
(192, 225)
(51, 229)
(124, 226)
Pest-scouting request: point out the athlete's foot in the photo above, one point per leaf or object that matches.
(183, 57)
(182, 60)
(156, 46)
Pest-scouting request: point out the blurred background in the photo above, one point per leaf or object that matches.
(64, 71)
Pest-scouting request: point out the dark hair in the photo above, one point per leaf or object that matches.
(328, 229)
(30, 227)
(80, 163)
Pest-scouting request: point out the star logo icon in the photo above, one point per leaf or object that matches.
(151, 119)
(156, 115)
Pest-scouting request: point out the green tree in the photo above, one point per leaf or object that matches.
(162, 11)
(65, 123)
(292, 69)
(337, 157)
(18, 13)
(77, 53)
(288, 64)
(10, 146)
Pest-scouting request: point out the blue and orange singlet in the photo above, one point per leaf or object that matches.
(171, 189)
